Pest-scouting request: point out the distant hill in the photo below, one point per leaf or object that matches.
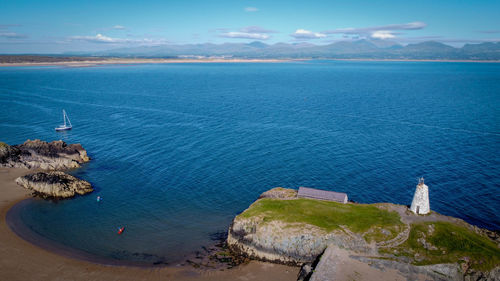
(362, 49)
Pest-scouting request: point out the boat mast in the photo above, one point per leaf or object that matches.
(66, 117)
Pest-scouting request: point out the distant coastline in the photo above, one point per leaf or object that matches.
(98, 61)
(420, 60)
(85, 62)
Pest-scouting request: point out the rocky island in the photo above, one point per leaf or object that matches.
(51, 157)
(335, 241)
(54, 184)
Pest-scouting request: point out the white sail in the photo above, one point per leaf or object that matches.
(66, 118)
(65, 126)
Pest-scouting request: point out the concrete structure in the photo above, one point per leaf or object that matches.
(420, 204)
(306, 192)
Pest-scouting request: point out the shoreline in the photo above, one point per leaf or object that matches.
(417, 60)
(125, 61)
(22, 260)
(136, 61)
(15, 224)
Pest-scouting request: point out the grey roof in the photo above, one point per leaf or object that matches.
(322, 194)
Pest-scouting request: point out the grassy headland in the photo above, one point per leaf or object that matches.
(324, 214)
(419, 242)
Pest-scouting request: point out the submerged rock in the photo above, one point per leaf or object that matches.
(37, 154)
(54, 184)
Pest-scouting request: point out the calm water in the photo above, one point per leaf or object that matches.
(178, 150)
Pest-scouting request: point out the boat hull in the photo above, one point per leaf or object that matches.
(63, 129)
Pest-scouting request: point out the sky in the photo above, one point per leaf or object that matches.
(51, 26)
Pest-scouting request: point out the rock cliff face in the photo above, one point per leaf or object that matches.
(39, 154)
(54, 184)
(286, 243)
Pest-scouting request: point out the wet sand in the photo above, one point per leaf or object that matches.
(21, 260)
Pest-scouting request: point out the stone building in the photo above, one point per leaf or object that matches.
(306, 192)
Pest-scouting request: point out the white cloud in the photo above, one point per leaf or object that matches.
(490, 31)
(5, 33)
(248, 32)
(256, 29)
(364, 30)
(12, 35)
(382, 34)
(119, 27)
(408, 26)
(245, 35)
(6, 26)
(99, 38)
(306, 34)
(378, 32)
(251, 9)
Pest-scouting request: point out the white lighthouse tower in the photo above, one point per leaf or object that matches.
(420, 204)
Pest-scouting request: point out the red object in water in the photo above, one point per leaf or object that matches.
(121, 230)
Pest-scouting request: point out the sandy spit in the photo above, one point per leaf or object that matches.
(110, 61)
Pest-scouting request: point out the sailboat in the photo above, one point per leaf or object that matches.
(65, 126)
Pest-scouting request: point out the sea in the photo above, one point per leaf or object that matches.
(178, 150)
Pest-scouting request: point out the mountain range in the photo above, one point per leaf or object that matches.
(362, 49)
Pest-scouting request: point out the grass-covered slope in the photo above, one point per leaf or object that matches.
(324, 214)
(444, 242)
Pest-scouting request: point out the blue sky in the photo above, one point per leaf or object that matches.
(58, 26)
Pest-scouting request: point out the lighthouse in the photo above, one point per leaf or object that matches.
(420, 204)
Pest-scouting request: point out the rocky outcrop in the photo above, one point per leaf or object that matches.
(492, 275)
(287, 243)
(54, 184)
(493, 235)
(338, 263)
(280, 193)
(37, 154)
(280, 233)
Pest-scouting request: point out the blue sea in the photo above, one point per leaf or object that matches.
(179, 149)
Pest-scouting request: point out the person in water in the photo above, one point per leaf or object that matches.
(99, 198)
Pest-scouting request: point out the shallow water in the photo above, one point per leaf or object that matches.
(179, 149)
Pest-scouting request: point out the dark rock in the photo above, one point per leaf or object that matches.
(305, 272)
(43, 155)
(54, 184)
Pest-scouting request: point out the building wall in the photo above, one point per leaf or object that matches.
(420, 201)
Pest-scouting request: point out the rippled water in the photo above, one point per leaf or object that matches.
(179, 149)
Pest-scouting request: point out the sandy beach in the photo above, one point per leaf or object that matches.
(21, 260)
(110, 61)
(135, 61)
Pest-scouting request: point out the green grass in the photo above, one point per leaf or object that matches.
(378, 234)
(456, 241)
(2, 144)
(324, 214)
